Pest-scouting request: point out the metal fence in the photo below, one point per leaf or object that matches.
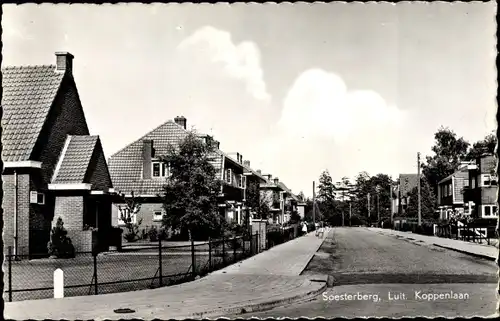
(145, 266)
(467, 233)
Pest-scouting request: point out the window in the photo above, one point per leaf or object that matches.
(488, 180)
(160, 169)
(125, 213)
(157, 215)
(37, 198)
(229, 176)
(243, 181)
(487, 210)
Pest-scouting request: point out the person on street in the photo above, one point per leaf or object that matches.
(304, 228)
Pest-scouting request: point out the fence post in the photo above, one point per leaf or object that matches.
(160, 267)
(95, 274)
(193, 258)
(209, 254)
(257, 247)
(10, 273)
(223, 250)
(234, 249)
(251, 245)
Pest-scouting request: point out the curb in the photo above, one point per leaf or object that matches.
(312, 256)
(486, 257)
(255, 307)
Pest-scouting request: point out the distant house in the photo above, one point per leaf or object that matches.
(137, 168)
(280, 199)
(407, 182)
(450, 192)
(53, 167)
(480, 195)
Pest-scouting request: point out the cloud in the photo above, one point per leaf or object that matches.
(324, 125)
(319, 105)
(241, 61)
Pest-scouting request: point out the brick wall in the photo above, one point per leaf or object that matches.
(70, 209)
(98, 174)
(65, 118)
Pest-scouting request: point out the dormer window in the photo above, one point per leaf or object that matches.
(160, 169)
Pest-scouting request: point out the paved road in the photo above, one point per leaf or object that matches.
(397, 274)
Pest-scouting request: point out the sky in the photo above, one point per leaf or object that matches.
(295, 88)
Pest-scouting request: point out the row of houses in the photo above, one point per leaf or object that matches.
(471, 190)
(54, 168)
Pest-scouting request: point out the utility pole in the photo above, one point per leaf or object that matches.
(368, 196)
(419, 197)
(314, 203)
(343, 203)
(378, 208)
(350, 212)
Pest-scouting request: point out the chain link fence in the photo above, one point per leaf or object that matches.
(136, 268)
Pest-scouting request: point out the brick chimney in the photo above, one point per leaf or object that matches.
(147, 154)
(276, 180)
(64, 61)
(217, 144)
(241, 159)
(246, 163)
(259, 172)
(181, 120)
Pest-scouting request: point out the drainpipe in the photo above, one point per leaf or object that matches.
(15, 214)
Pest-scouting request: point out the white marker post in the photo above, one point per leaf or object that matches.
(58, 284)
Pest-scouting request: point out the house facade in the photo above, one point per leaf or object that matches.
(451, 192)
(280, 199)
(400, 193)
(480, 195)
(53, 167)
(137, 168)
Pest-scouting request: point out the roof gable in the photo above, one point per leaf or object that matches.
(28, 94)
(407, 182)
(74, 161)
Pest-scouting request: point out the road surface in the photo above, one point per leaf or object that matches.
(390, 277)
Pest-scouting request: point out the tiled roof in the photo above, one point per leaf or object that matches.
(407, 182)
(74, 159)
(125, 166)
(28, 93)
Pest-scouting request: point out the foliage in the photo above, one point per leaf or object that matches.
(262, 209)
(132, 207)
(448, 152)
(427, 200)
(294, 217)
(154, 234)
(358, 220)
(60, 244)
(379, 189)
(234, 229)
(487, 145)
(190, 194)
(301, 196)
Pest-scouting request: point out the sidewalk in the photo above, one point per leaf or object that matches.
(266, 280)
(480, 250)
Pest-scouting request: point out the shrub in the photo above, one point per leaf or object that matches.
(60, 244)
(132, 233)
(153, 234)
(358, 220)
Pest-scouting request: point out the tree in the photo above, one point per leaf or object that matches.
(60, 245)
(131, 207)
(301, 197)
(262, 210)
(487, 145)
(190, 194)
(427, 201)
(326, 196)
(448, 152)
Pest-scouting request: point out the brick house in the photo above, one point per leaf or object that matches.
(137, 168)
(280, 199)
(450, 192)
(52, 166)
(480, 195)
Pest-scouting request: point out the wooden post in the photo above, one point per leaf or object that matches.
(209, 254)
(58, 284)
(419, 197)
(193, 258)
(160, 265)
